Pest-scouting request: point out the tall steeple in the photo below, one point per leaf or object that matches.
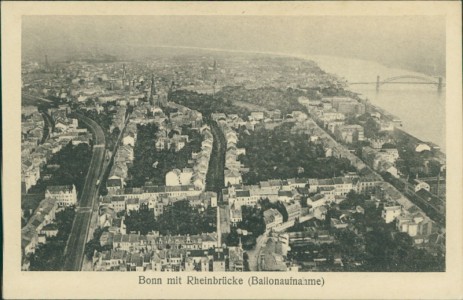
(47, 66)
(153, 86)
(153, 90)
(213, 87)
(123, 76)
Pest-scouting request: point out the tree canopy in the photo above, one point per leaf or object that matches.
(187, 220)
(279, 153)
(50, 256)
(152, 164)
(253, 222)
(73, 163)
(206, 104)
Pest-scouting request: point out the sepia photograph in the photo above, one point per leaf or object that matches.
(209, 147)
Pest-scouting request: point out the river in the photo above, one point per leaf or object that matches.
(420, 107)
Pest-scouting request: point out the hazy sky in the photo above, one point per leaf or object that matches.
(413, 41)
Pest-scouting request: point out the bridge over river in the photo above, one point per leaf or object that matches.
(406, 79)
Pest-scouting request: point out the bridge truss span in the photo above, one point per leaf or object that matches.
(406, 79)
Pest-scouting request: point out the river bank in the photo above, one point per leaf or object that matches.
(420, 108)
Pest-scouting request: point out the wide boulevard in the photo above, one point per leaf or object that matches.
(74, 251)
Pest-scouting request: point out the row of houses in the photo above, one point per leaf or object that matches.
(184, 116)
(348, 134)
(124, 155)
(41, 224)
(407, 216)
(171, 260)
(232, 171)
(330, 109)
(196, 175)
(234, 120)
(35, 154)
(37, 230)
(296, 188)
(142, 243)
(157, 201)
(318, 193)
(272, 217)
(31, 136)
(326, 116)
(345, 105)
(381, 160)
(64, 195)
(332, 112)
(118, 119)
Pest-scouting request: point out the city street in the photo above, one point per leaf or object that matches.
(215, 179)
(76, 243)
(255, 253)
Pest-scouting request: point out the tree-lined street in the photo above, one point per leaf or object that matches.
(74, 250)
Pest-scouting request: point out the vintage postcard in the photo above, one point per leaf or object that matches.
(262, 150)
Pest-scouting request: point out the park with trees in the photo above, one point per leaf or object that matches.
(50, 256)
(67, 166)
(266, 97)
(278, 153)
(94, 244)
(188, 220)
(151, 164)
(206, 104)
(249, 229)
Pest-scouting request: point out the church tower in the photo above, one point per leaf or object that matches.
(153, 91)
(47, 66)
(123, 76)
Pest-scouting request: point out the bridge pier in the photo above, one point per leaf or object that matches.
(378, 82)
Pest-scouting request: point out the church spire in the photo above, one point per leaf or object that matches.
(123, 76)
(47, 66)
(153, 90)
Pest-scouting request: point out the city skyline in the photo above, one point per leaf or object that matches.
(412, 42)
